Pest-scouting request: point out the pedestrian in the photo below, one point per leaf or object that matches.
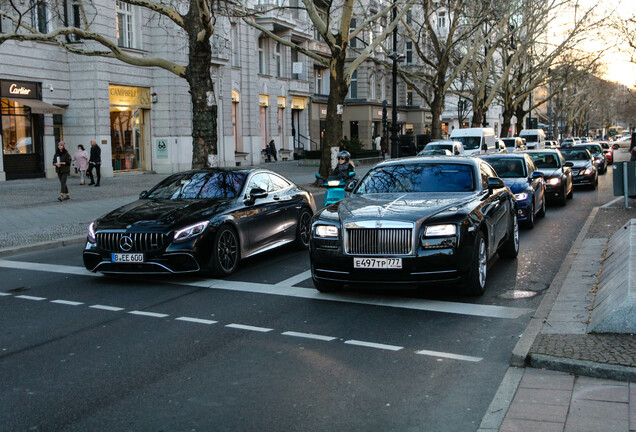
(272, 148)
(377, 142)
(81, 160)
(62, 161)
(268, 152)
(95, 161)
(383, 147)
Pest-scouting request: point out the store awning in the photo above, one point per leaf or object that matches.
(39, 107)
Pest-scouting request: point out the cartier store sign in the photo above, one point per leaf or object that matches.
(19, 89)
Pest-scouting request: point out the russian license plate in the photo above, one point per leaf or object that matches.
(378, 263)
(127, 257)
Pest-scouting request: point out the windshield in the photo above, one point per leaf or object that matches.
(594, 149)
(531, 138)
(424, 177)
(200, 185)
(578, 154)
(508, 167)
(545, 160)
(510, 142)
(438, 147)
(469, 142)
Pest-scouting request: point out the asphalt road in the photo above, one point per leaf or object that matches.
(262, 350)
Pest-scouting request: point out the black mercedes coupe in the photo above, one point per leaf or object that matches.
(201, 220)
(417, 220)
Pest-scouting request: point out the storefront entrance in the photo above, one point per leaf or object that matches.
(127, 131)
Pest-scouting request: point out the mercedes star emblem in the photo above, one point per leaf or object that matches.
(126, 243)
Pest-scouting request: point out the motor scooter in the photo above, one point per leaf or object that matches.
(336, 186)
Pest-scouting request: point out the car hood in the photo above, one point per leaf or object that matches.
(516, 184)
(580, 164)
(161, 215)
(550, 172)
(398, 206)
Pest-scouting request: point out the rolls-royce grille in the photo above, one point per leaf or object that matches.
(130, 242)
(380, 241)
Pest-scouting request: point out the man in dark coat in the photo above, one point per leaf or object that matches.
(95, 161)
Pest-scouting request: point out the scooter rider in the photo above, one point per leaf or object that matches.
(344, 166)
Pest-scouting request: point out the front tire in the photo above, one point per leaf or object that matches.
(475, 283)
(225, 252)
(510, 248)
(530, 219)
(542, 209)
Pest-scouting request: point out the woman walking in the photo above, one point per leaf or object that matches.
(62, 161)
(81, 159)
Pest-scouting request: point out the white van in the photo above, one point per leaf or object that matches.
(535, 138)
(476, 140)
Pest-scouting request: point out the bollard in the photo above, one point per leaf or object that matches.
(625, 183)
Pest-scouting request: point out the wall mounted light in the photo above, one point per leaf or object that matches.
(153, 98)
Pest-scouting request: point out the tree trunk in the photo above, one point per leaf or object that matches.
(437, 108)
(520, 113)
(338, 92)
(204, 108)
(506, 122)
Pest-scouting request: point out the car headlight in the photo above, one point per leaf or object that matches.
(91, 232)
(554, 181)
(190, 231)
(521, 196)
(326, 231)
(440, 230)
(589, 171)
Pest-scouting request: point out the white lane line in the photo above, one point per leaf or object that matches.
(373, 345)
(489, 311)
(250, 328)
(67, 302)
(295, 279)
(51, 268)
(148, 314)
(26, 297)
(309, 336)
(107, 308)
(196, 320)
(3, 294)
(612, 202)
(449, 355)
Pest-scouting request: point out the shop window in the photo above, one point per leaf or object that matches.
(17, 130)
(354, 129)
(58, 127)
(127, 26)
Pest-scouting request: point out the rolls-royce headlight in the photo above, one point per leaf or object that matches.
(326, 231)
(190, 231)
(91, 232)
(521, 196)
(440, 230)
(554, 181)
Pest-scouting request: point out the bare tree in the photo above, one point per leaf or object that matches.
(196, 23)
(333, 21)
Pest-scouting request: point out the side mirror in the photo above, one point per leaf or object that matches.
(495, 183)
(143, 194)
(351, 185)
(484, 147)
(537, 174)
(256, 193)
(569, 164)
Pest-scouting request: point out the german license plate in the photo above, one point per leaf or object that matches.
(377, 263)
(127, 257)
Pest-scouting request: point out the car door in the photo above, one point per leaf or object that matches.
(495, 209)
(263, 217)
(289, 205)
(536, 183)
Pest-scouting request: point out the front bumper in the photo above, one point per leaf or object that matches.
(584, 179)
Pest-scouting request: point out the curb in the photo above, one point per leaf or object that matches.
(66, 241)
(584, 368)
(520, 356)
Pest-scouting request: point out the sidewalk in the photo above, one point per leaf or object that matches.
(560, 379)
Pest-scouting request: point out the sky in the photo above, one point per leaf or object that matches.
(619, 67)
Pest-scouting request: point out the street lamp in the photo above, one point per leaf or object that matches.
(395, 147)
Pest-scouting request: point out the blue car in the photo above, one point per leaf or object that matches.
(519, 173)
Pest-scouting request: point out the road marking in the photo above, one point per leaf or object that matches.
(67, 302)
(309, 336)
(196, 320)
(2, 294)
(148, 314)
(295, 279)
(373, 345)
(250, 328)
(449, 355)
(488, 311)
(108, 308)
(611, 202)
(26, 297)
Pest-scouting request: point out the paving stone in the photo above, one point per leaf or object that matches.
(595, 416)
(544, 396)
(547, 380)
(538, 412)
(518, 425)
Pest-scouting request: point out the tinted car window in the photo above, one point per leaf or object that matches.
(545, 160)
(508, 167)
(425, 177)
(261, 181)
(572, 154)
(201, 185)
(278, 182)
(469, 143)
(594, 149)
